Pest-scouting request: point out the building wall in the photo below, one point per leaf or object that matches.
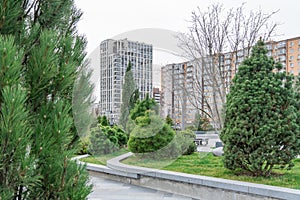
(293, 55)
(167, 102)
(156, 95)
(114, 58)
(176, 83)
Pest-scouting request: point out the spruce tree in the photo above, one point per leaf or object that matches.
(41, 57)
(261, 127)
(130, 95)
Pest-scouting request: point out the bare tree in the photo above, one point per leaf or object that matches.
(216, 42)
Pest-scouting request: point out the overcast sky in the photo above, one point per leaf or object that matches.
(103, 19)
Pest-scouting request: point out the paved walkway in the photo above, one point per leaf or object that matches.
(105, 189)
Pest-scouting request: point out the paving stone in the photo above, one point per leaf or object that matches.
(105, 189)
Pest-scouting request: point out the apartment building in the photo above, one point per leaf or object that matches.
(176, 82)
(288, 53)
(114, 58)
(285, 51)
(211, 97)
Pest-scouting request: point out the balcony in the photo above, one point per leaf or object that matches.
(281, 51)
(282, 58)
(281, 45)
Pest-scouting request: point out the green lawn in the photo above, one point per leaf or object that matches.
(208, 165)
(101, 160)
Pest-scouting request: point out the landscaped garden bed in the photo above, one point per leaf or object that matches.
(207, 164)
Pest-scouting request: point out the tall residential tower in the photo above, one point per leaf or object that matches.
(114, 58)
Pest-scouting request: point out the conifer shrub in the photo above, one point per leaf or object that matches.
(152, 137)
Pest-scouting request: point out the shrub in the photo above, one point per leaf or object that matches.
(100, 142)
(107, 139)
(83, 146)
(150, 135)
(186, 142)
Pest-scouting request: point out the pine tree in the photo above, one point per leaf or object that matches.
(16, 167)
(42, 55)
(261, 127)
(82, 101)
(130, 95)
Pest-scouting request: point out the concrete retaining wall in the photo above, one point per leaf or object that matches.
(198, 187)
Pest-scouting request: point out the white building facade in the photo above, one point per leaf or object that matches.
(114, 58)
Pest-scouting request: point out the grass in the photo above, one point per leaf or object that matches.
(101, 160)
(208, 165)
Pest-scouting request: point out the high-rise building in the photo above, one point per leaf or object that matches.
(156, 95)
(287, 52)
(114, 58)
(210, 87)
(176, 82)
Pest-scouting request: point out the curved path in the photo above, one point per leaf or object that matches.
(105, 189)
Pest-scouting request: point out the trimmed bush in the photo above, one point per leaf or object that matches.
(150, 135)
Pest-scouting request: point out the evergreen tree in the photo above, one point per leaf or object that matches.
(169, 120)
(134, 98)
(104, 121)
(16, 169)
(82, 101)
(130, 95)
(141, 107)
(41, 51)
(261, 127)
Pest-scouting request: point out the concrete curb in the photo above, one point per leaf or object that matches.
(223, 184)
(195, 186)
(104, 169)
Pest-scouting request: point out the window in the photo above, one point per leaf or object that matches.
(291, 64)
(291, 43)
(291, 57)
(292, 72)
(298, 56)
(269, 46)
(299, 64)
(281, 44)
(281, 51)
(292, 51)
(282, 58)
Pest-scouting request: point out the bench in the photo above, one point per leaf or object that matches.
(201, 141)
